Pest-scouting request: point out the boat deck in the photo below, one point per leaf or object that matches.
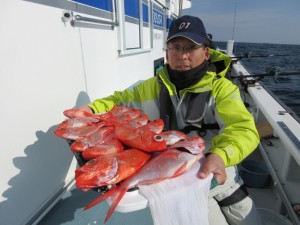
(69, 211)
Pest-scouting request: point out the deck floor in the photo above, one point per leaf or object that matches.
(69, 211)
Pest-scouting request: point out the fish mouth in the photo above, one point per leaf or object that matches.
(172, 142)
(169, 142)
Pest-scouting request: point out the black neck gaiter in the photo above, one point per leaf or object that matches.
(184, 79)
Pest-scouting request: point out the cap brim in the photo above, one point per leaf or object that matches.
(197, 39)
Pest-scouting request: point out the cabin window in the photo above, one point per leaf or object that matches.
(135, 26)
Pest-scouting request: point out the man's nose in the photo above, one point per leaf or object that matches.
(183, 55)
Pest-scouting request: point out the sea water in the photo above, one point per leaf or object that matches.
(285, 87)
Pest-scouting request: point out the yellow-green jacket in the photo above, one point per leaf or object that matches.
(237, 136)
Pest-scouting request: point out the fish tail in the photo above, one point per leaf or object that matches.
(115, 201)
(101, 198)
(115, 194)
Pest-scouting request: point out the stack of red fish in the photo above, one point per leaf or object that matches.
(121, 142)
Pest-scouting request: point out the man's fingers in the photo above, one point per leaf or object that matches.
(220, 178)
(202, 174)
(213, 164)
(204, 171)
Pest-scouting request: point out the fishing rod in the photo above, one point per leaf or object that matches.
(249, 55)
(273, 71)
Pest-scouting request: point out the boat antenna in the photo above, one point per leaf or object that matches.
(234, 19)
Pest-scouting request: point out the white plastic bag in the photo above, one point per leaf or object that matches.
(179, 201)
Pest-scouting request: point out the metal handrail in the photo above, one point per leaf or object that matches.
(79, 18)
(159, 3)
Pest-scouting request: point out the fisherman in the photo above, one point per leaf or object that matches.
(190, 93)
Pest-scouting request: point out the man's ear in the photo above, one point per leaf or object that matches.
(207, 55)
(167, 58)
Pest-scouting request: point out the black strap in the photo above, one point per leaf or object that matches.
(196, 109)
(201, 130)
(165, 105)
(235, 197)
(204, 127)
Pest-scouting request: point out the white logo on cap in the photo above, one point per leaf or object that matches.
(184, 25)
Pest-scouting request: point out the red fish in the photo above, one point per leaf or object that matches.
(126, 116)
(114, 112)
(139, 121)
(155, 126)
(107, 147)
(77, 122)
(119, 110)
(141, 138)
(110, 169)
(194, 145)
(77, 113)
(168, 164)
(173, 136)
(98, 136)
(76, 132)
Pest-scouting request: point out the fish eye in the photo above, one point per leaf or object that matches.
(158, 138)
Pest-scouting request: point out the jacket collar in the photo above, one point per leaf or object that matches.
(205, 84)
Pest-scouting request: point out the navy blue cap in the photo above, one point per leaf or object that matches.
(189, 27)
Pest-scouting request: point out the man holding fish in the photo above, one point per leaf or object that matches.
(191, 94)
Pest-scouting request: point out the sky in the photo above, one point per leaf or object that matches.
(257, 21)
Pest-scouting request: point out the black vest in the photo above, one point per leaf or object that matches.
(196, 110)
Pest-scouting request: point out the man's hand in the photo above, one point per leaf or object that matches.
(213, 164)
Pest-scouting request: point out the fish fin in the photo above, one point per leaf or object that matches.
(180, 170)
(115, 201)
(115, 194)
(101, 198)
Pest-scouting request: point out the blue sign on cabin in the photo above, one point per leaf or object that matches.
(158, 18)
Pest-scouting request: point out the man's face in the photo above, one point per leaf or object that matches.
(183, 54)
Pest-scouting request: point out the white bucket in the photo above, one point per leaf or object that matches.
(269, 217)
